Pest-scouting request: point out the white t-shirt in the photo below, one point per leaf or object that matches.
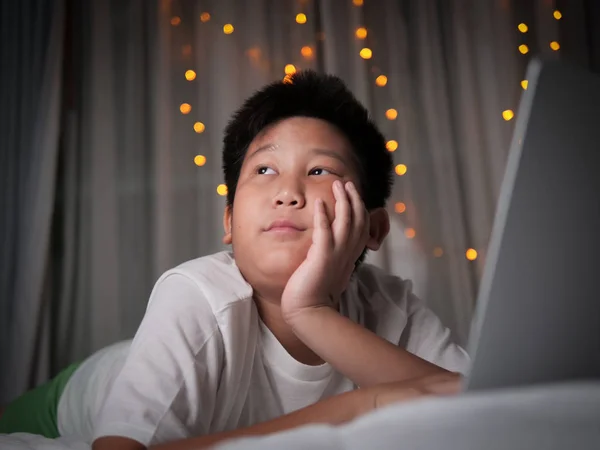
(203, 362)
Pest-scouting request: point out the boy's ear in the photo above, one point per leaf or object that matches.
(227, 215)
(379, 228)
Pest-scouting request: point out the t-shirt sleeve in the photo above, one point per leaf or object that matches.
(167, 387)
(425, 336)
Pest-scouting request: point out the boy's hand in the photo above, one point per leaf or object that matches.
(320, 280)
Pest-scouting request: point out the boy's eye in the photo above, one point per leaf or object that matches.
(265, 171)
(319, 171)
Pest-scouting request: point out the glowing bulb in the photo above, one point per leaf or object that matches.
(554, 45)
(289, 69)
(222, 189)
(410, 233)
(175, 21)
(392, 145)
(366, 53)
(508, 114)
(300, 18)
(228, 28)
(557, 15)
(401, 169)
(399, 207)
(204, 17)
(471, 254)
(185, 108)
(523, 49)
(523, 28)
(199, 127)
(391, 114)
(524, 84)
(361, 33)
(438, 252)
(306, 51)
(190, 75)
(381, 80)
(357, 2)
(200, 160)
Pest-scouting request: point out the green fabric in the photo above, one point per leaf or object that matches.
(35, 411)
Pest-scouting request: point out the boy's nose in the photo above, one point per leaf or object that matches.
(289, 197)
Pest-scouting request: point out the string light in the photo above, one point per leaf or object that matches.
(175, 21)
(471, 254)
(287, 79)
(228, 28)
(307, 52)
(523, 28)
(190, 75)
(300, 18)
(199, 127)
(508, 114)
(401, 169)
(438, 252)
(361, 33)
(523, 49)
(557, 15)
(410, 233)
(399, 207)
(554, 45)
(366, 53)
(200, 160)
(204, 17)
(289, 69)
(391, 114)
(524, 84)
(381, 80)
(222, 189)
(185, 108)
(392, 145)
(357, 2)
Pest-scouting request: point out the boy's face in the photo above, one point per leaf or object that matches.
(287, 167)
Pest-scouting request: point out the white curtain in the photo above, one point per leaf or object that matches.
(131, 203)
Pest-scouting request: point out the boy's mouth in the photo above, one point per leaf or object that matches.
(284, 226)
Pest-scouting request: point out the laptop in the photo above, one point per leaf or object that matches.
(537, 318)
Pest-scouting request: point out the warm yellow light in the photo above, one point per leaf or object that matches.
(175, 21)
(524, 84)
(190, 75)
(438, 252)
(366, 53)
(301, 18)
(204, 17)
(186, 50)
(391, 114)
(287, 79)
(381, 80)
(410, 233)
(401, 169)
(306, 51)
(200, 160)
(399, 207)
(357, 2)
(554, 45)
(228, 28)
(392, 145)
(289, 69)
(199, 127)
(185, 108)
(508, 114)
(471, 254)
(222, 189)
(523, 28)
(361, 33)
(523, 49)
(557, 15)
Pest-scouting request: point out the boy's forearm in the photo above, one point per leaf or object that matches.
(334, 411)
(355, 351)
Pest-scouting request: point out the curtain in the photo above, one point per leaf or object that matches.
(149, 88)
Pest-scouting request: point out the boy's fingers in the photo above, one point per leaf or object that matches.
(342, 224)
(322, 236)
(360, 217)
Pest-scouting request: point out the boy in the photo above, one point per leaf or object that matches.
(281, 331)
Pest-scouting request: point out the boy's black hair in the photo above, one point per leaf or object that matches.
(325, 97)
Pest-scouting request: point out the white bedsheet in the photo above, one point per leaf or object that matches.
(548, 417)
